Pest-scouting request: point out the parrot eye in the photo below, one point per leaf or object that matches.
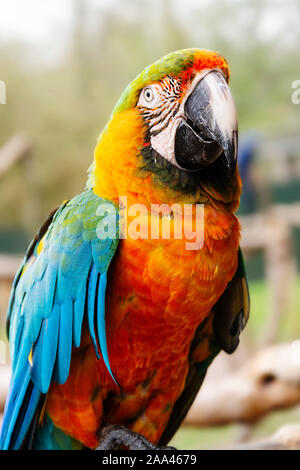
(148, 94)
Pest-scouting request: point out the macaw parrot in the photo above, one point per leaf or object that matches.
(111, 335)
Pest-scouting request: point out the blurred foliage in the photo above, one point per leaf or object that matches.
(63, 105)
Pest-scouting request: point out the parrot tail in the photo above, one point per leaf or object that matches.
(21, 413)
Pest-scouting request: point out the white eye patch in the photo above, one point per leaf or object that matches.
(150, 97)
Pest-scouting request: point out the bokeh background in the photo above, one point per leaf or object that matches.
(65, 63)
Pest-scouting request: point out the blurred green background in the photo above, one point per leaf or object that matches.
(65, 64)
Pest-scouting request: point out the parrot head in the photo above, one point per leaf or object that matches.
(177, 115)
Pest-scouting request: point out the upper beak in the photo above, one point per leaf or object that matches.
(210, 128)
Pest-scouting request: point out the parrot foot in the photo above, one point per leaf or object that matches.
(113, 437)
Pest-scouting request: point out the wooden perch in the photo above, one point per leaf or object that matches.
(269, 381)
(286, 438)
(17, 148)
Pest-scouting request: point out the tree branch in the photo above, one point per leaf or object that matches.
(269, 381)
(17, 148)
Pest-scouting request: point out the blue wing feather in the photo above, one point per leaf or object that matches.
(64, 350)
(92, 292)
(13, 408)
(78, 315)
(51, 293)
(44, 351)
(101, 323)
(29, 412)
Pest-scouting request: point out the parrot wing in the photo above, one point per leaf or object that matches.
(221, 331)
(63, 277)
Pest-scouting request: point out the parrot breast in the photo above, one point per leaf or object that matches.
(158, 294)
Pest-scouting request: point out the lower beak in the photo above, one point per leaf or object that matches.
(210, 130)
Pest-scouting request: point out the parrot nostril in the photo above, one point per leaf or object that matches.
(267, 379)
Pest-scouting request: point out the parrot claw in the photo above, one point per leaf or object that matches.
(114, 437)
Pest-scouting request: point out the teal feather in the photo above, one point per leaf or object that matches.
(50, 437)
(44, 351)
(101, 324)
(49, 300)
(63, 358)
(92, 293)
(14, 429)
(78, 315)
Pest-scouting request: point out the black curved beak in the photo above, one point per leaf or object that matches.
(210, 130)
